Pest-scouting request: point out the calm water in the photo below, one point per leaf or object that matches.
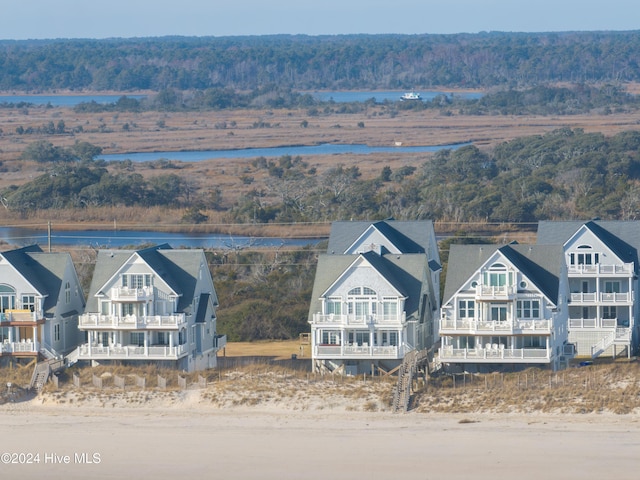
(64, 100)
(110, 238)
(325, 149)
(380, 97)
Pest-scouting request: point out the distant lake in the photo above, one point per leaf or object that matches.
(324, 149)
(65, 100)
(380, 97)
(120, 238)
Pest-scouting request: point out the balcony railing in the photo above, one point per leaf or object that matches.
(359, 351)
(23, 346)
(593, 323)
(607, 298)
(134, 352)
(493, 355)
(128, 294)
(488, 292)
(19, 316)
(625, 269)
(90, 320)
(470, 326)
(333, 319)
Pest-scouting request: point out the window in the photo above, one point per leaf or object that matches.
(56, 333)
(528, 308)
(7, 298)
(330, 337)
(334, 306)
(496, 276)
(137, 338)
(498, 313)
(67, 292)
(128, 309)
(584, 258)
(29, 303)
(609, 312)
(467, 342)
(611, 286)
(136, 280)
(393, 338)
(466, 308)
(362, 302)
(533, 342)
(390, 307)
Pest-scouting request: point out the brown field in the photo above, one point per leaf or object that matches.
(174, 131)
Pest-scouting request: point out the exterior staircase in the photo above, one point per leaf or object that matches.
(620, 336)
(407, 372)
(40, 375)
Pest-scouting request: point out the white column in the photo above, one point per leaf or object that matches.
(146, 343)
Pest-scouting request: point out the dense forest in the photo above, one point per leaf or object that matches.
(302, 62)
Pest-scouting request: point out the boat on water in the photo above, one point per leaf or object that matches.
(411, 96)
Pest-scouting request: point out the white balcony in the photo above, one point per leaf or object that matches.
(359, 351)
(320, 319)
(450, 326)
(19, 316)
(23, 346)
(593, 323)
(131, 352)
(128, 294)
(495, 354)
(606, 298)
(489, 292)
(132, 322)
(626, 269)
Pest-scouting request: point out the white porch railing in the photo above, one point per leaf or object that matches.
(124, 352)
(23, 346)
(592, 323)
(450, 325)
(598, 269)
(493, 355)
(333, 319)
(127, 294)
(593, 297)
(487, 292)
(358, 351)
(90, 320)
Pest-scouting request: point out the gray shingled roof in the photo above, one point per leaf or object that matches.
(178, 268)
(404, 272)
(623, 238)
(409, 236)
(542, 264)
(44, 271)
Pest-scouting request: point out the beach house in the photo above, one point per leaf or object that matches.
(504, 308)
(40, 300)
(602, 263)
(154, 305)
(375, 296)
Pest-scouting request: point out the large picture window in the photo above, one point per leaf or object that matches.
(528, 308)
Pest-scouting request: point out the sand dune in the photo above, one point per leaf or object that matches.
(185, 435)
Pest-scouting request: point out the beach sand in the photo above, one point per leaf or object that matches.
(192, 439)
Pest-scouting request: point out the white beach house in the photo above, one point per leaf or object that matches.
(504, 307)
(375, 296)
(152, 305)
(602, 263)
(40, 300)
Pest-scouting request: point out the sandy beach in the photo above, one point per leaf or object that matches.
(188, 438)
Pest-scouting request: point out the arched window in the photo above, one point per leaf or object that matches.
(7, 298)
(362, 302)
(496, 276)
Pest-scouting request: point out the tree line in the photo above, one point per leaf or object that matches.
(563, 174)
(303, 62)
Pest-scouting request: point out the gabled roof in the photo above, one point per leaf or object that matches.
(623, 238)
(407, 237)
(404, 272)
(540, 264)
(179, 269)
(44, 271)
